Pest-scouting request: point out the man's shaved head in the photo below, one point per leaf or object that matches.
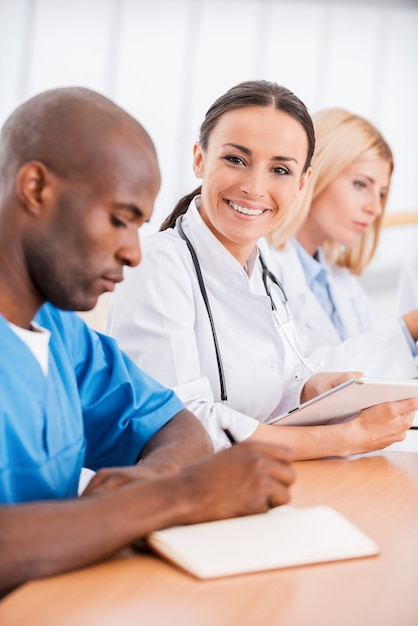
(67, 129)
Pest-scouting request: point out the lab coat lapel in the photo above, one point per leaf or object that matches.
(345, 302)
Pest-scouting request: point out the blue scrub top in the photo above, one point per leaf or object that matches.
(95, 408)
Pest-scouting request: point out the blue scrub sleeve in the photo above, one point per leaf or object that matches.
(122, 406)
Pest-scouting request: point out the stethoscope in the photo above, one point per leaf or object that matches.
(266, 275)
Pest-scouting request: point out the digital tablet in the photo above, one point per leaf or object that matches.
(346, 400)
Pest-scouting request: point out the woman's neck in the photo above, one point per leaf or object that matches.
(307, 240)
(240, 251)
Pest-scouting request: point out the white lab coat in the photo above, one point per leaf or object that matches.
(376, 344)
(407, 295)
(159, 318)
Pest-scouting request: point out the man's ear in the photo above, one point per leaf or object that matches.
(31, 185)
(198, 160)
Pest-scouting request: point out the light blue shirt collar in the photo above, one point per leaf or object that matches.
(317, 277)
(315, 270)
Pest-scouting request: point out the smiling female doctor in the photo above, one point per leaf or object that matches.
(203, 314)
(337, 224)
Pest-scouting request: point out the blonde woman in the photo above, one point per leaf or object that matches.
(328, 239)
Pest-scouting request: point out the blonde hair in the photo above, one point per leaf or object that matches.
(342, 138)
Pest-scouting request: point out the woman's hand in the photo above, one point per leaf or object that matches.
(379, 426)
(324, 381)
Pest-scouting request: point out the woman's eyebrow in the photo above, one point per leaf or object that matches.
(247, 151)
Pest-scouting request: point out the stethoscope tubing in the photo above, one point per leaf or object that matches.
(203, 291)
(266, 273)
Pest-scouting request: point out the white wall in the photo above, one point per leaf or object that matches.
(167, 60)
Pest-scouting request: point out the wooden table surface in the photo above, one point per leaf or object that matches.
(379, 493)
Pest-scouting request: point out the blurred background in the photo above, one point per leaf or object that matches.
(166, 61)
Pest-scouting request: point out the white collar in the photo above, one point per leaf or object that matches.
(37, 340)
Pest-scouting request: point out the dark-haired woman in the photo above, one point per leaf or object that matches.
(203, 314)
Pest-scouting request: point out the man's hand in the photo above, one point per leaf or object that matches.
(114, 477)
(248, 478)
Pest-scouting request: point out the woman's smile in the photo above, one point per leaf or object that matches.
(239, 208)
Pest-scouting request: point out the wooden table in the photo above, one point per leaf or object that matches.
(378, 492)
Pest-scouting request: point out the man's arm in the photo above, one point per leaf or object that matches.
(166, 452)
(46, 538)
(170, 445)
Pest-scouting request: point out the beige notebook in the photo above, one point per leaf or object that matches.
(283, 537)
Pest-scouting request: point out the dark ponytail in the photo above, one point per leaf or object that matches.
(180, 209)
